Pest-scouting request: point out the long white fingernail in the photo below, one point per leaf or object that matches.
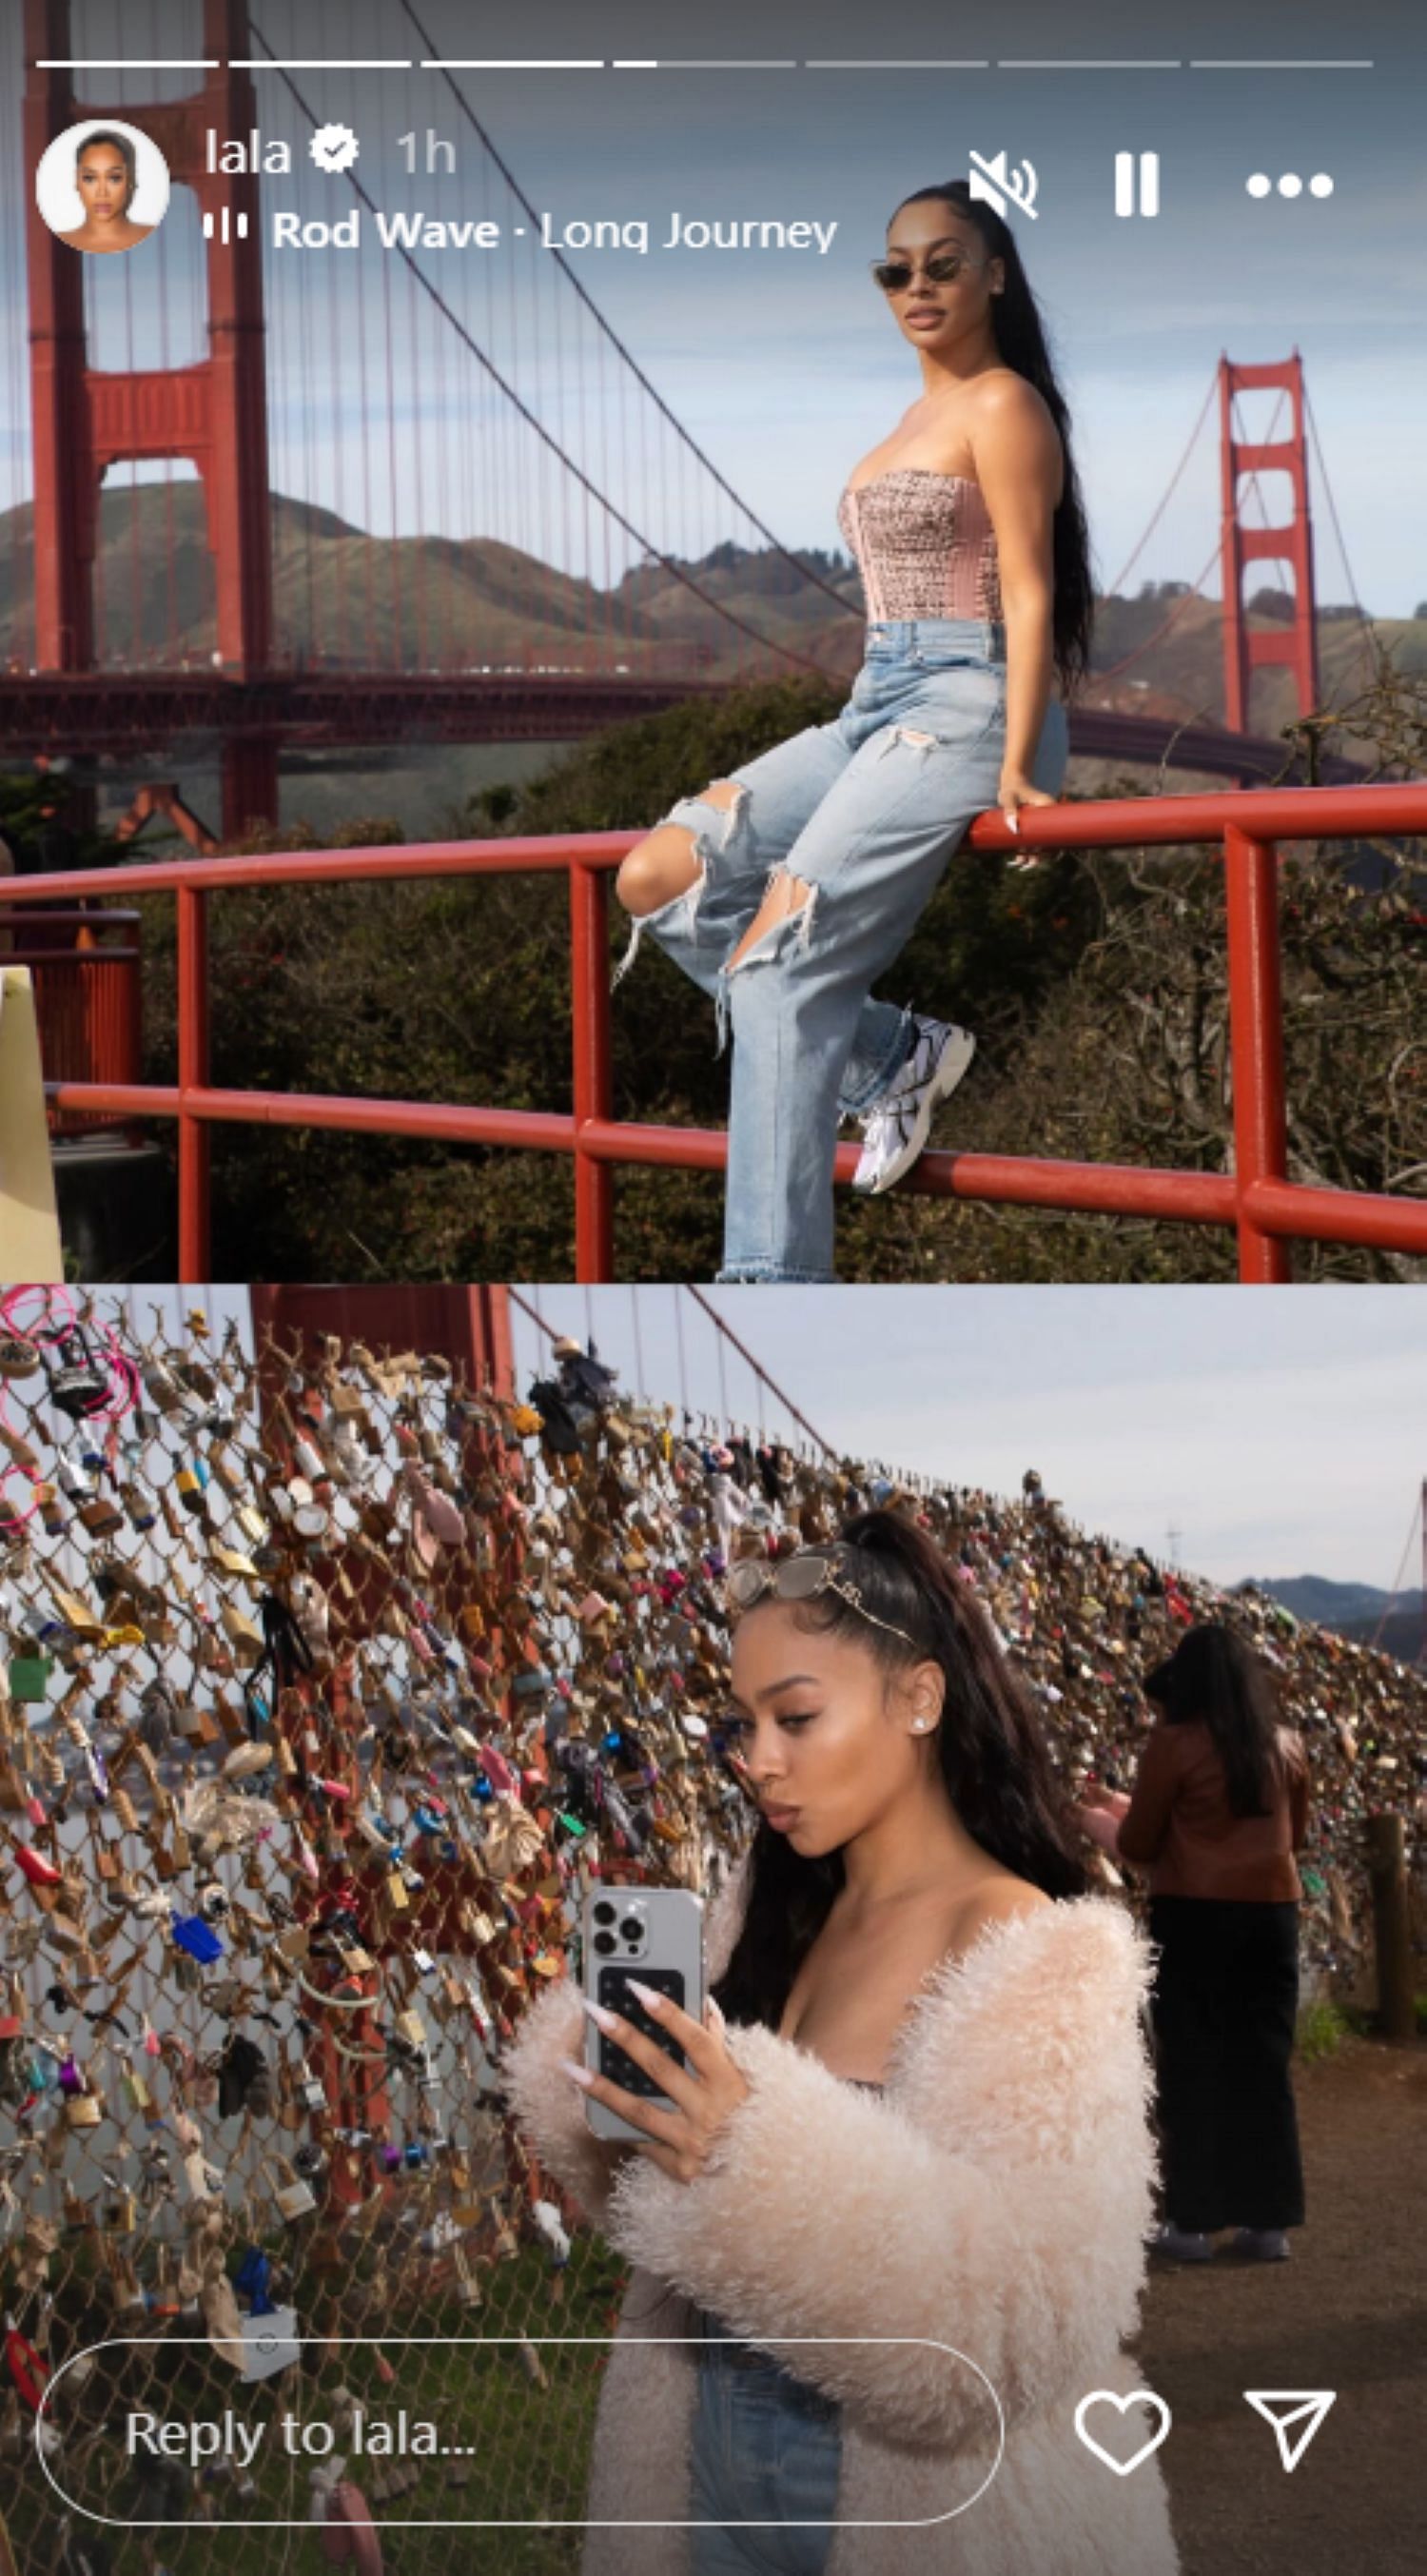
(577, 2074)
(651, 2001)
(598, 2014)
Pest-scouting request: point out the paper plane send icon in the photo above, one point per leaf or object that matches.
(1294, 2413)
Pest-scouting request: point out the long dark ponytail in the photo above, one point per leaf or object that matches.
(1021, 340)
(1215, 1675)
(994, 1758)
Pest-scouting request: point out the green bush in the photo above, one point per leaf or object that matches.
(1096, 987)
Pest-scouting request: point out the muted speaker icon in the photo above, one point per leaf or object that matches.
(1137, 191)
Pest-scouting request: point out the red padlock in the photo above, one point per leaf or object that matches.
(39, 1871)
(26, 2369)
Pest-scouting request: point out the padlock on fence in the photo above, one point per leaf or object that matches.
(295, 2198)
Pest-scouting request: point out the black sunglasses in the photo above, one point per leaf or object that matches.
(893, 274)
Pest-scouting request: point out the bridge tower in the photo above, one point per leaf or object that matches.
(1295, 645)
(215, 413)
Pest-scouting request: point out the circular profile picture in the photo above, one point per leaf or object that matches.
(102, 185)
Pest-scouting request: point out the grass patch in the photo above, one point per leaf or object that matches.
(1322, 2029)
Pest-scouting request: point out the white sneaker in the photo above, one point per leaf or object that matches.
(1182, 2245)
(895, 1133)
(1260, 2244)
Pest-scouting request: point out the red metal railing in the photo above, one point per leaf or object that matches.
(1258, 1200)
(86, 968)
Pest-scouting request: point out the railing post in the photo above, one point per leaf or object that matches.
(194, 1155)
(1256, 1042)
(589, 972)
(1392, 1931)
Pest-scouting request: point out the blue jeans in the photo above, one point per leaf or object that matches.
(767, 2450)
(866, 811)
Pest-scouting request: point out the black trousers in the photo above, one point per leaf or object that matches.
(1225, 2006)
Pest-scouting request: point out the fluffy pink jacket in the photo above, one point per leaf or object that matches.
(995, 2199)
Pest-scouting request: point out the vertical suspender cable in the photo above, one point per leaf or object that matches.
(445, 521)
(722, 1378)
(1365, 625)
(679, 1338)
(369, 534)
(398, 650)
(412, 374)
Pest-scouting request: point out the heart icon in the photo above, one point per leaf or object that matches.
(1137, 2397)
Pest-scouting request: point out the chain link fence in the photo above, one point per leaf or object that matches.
(330, 1682)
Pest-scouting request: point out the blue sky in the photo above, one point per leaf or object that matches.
(1279, 1430)
(784, 366)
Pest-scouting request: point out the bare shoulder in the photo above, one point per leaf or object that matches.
(1002, 396)
(1015, 445)
(1003, 1898)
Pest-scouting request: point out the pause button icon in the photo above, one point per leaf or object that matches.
(1128, 199)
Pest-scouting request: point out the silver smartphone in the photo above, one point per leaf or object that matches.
(657, 1935)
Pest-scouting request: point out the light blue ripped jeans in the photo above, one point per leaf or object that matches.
(867, 811)
(766, 2461)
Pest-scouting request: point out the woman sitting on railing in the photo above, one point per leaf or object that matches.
(818, 858)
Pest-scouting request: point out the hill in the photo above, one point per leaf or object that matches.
(346, 600)
(1392, 1621)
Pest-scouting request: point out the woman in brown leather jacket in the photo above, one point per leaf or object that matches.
(1220, 1806)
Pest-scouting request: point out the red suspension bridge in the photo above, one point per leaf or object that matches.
(503, 531)
(556, 549)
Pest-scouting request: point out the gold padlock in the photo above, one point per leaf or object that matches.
(468, 2285)
(84, 2110)
(135, 2089)
(396, 1891)
(411, 2028)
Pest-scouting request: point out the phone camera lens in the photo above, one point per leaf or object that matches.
(604, 1943)
(604, 1911)
(631, 1927)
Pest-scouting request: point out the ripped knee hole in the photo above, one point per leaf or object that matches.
(785, 896)
(643, 878)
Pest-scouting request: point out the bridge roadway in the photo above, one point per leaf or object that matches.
(83, 713)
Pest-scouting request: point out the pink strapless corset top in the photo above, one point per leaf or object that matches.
(923, 543)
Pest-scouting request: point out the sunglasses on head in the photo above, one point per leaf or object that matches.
(893, 274)
(800, 1578)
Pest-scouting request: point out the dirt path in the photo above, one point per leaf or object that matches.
(1348, 2311)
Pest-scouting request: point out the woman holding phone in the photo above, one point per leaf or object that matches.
(787, 887)
(889, 2231)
